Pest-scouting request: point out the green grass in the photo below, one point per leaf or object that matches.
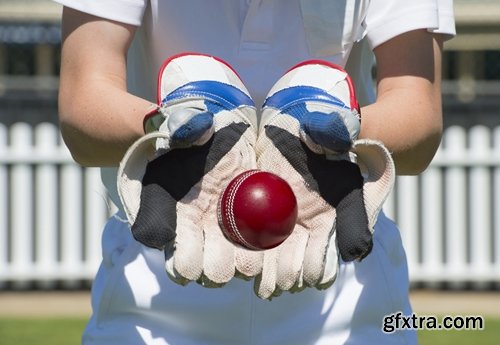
(490, 335)
(67, 331)
(38, 331)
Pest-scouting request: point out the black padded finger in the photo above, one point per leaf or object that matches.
(354, 239)
(156, 219)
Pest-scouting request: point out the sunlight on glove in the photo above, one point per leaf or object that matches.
(308, 135)
(201, 136)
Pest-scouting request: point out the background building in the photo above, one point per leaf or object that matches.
(472, 64)
(51, 210)
(29, 60)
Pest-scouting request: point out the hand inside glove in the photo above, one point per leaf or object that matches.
(309, 129)
(203, 135)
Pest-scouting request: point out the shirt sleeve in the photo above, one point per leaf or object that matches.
(446, 18)
(386, 19)
(124, 11)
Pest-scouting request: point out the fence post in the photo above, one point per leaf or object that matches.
(455, 229)
(496, 203)
(480, 197)
(432, 224)
(407, 218)
(96, 213)
(4, 216)
(71, 220)
(46, 205)
(21, 201)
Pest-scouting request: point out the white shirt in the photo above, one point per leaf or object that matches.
(261, 39)
(133, 300)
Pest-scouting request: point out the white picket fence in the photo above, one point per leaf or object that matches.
(52, 211)
(450, 215)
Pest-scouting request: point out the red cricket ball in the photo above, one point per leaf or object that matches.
(257, 210)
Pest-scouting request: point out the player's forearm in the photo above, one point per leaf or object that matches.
(407, 115)
(409, 126)
(98, 125)
(98, 118)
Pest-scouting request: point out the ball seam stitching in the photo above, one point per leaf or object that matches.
(230, 209)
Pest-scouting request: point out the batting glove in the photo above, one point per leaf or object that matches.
(203, 134)
(308, 135)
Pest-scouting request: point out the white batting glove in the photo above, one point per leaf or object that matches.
(308, 135)
(203, 134)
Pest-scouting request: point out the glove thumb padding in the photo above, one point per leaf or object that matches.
(379, 174)
(131, 171)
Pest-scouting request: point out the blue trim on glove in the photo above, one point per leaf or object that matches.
(292, 95)
(194, 129)
(226, 95)
(326, 129)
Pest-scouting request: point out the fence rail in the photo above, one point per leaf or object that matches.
(52, 211)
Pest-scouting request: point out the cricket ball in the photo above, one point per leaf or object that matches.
(257, 210)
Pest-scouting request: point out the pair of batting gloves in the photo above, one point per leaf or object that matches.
(204, 132)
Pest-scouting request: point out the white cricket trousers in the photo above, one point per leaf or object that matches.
(135, 303)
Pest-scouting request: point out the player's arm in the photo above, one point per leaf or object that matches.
(98, 118)
(407, 114)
